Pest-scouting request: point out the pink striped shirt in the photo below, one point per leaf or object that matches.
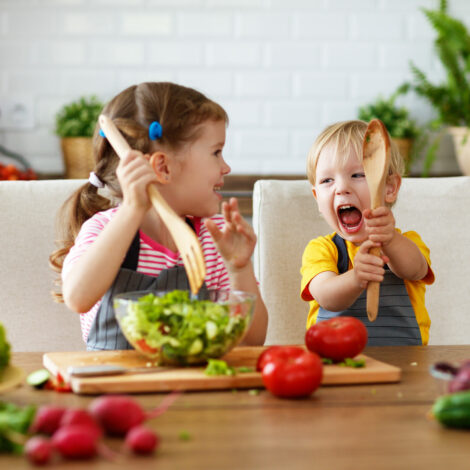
(153, 257)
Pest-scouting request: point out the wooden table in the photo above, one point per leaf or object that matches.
(338, 427)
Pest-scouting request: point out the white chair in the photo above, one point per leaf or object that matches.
(33, 321)
(285, 218)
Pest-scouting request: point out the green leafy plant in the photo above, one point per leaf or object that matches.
(396, 118)
(451, 98)
(78, 119)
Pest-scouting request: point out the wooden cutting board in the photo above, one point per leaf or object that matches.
(193, 378)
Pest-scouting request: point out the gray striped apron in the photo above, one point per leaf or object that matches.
(396, 323)
(105, 333)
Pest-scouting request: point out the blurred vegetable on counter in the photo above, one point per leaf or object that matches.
(13, 173)
(14, 425)
(453, 410)
(4, 349)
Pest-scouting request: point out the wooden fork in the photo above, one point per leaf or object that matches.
(185, 239)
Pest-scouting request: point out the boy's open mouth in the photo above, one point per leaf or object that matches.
(350, 218)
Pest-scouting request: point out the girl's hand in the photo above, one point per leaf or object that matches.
(380, 225)
(135, 173)
(368, 267)
(237, 240)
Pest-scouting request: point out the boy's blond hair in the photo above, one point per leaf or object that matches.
(343, 135)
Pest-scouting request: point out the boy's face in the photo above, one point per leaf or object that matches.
(342, 193)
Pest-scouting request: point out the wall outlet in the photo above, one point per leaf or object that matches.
(16, 112)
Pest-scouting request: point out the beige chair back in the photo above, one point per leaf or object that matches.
(285, 218)
(33, 321)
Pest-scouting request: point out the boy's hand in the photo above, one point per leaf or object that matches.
(135, 174)
(237, 240)
(368, 267)
(380, 225)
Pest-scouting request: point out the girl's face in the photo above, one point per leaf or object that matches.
(342, 193)
(199, 172)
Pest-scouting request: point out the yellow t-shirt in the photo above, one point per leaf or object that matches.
(321, 255)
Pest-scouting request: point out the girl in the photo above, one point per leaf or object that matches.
(177, 136)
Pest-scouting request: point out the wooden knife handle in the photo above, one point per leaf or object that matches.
(373, 292)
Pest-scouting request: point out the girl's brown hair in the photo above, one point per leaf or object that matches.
(178, 109)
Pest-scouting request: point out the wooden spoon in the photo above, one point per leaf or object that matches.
(376, 161)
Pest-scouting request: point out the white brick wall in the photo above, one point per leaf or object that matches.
(283, 70)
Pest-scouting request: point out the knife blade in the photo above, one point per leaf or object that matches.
(110, 369)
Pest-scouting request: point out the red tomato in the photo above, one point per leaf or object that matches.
(274, 351)
(143, 346)
(337, 338)
(292, 372)
(10, 170)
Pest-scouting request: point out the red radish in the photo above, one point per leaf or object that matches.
(38, 450)
(82, 417)
(142, 440)
(119, 413)
(47, 419)
(75, 441)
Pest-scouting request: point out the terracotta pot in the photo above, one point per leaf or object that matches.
(404, 147)
(461, 139)
(78, 156)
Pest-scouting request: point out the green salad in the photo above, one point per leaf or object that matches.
(178, 329)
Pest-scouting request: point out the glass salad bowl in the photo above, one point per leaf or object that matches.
(177, 328)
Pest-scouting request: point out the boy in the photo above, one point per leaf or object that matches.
(336, 268)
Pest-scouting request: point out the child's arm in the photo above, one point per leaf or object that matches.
(236, 242)
(405, 259)
(92, 275)
(336, 292)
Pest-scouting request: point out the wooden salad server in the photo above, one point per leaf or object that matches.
(185, 239)
(376, 161)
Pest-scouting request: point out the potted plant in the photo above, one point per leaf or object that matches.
(402, 129)
(75, 124)
(451, 98)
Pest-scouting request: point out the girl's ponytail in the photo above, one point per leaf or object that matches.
(77, 209)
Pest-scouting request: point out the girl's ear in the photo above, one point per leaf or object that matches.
(392, 186)
(314, 193)
(159, 163)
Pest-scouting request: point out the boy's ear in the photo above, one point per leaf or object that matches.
(159, 163)
(314, 193)
(392, 186)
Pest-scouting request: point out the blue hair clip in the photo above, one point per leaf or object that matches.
(155, 130)
(101, 133)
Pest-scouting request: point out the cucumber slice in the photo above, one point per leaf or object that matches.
(38, 378)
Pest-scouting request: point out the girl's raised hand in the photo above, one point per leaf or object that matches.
(135, 173)
(237, 240)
